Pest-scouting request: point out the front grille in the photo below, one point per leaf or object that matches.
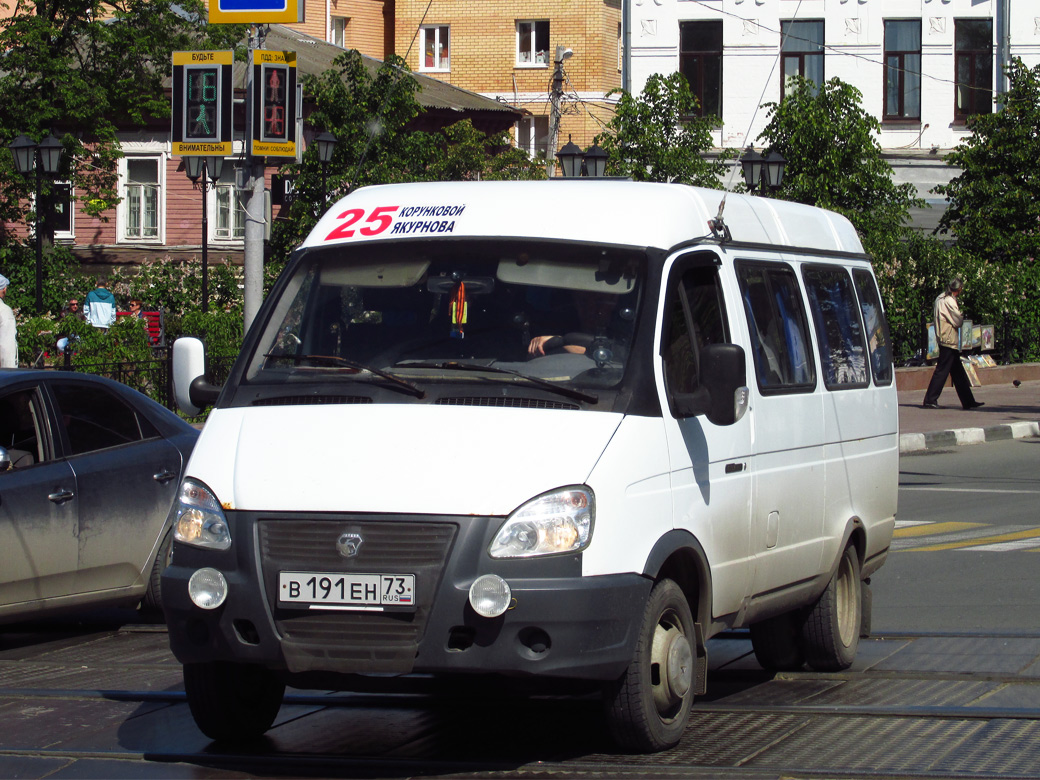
(498, 401)
(351, 641)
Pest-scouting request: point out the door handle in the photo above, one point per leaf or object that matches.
(61, 495)
(735, 468)
(164, 476)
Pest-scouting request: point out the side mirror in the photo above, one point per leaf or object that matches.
(190, 387)
(723, 392)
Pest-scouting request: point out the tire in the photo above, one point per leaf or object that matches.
(648, 707)
(830, 635)
(232, 702)
(152, 601)
(777, 642)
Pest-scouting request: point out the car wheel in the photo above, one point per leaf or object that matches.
(648, 707)
(232, 702)
(830, 634)
(777, 642)
(152, 601)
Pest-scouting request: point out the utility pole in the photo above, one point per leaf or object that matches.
(253, 261)
(555, 107)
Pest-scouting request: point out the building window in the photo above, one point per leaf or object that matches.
(700, 61)
(801, 52)
(339, 30)
(973, 45)
(141, 204)
(435, 49)
(620, 49)
(532, 44)
(231, 214)
(903, 70)
(64, 212)
(532, 135)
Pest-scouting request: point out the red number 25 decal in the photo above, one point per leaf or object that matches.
(378, 221)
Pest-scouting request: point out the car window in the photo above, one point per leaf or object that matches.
(777, 324)
(700, 293)
(877, 327)
(22, 430)
(95, 418)
(835, 313)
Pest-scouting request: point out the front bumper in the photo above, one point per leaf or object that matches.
(559, 625)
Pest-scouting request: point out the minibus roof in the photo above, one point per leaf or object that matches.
(607, 211)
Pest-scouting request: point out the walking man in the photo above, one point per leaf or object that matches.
(8, 330)
(948, 318)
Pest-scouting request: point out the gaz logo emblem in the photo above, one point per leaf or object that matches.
(348, 544)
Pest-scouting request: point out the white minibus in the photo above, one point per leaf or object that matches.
(559, 431)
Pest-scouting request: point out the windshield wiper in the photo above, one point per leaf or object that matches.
(396, 381)
(452, 365)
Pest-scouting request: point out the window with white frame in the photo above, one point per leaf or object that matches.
(532, 43)
(620, 49)
(64, 210)
(230, 213)
(436, 51)
(532, 135)
(141, 203)
(339, 30)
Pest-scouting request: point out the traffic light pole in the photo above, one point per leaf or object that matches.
(253, 264)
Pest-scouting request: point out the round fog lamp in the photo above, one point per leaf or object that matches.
(207, 588)
(489, 595)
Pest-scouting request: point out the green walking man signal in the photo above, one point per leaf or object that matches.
(202, 94)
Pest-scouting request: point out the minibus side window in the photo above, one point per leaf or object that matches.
(835, 313)
(699, 293)
(876, 326)
(777, 324)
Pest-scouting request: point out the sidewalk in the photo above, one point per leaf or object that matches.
(1009, 413)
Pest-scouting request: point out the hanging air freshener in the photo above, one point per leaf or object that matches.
(459, 310)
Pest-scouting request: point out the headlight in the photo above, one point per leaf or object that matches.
(198, 519)
(558, 522)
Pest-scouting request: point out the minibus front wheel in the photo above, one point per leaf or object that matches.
(648, 707)
(232, 702)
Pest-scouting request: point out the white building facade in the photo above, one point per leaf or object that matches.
(923, 66)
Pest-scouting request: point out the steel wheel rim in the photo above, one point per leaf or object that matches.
(847, 608)
(672, 657)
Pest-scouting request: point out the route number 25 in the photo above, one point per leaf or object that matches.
(378, 220)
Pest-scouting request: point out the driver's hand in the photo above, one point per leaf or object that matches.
(537, 345)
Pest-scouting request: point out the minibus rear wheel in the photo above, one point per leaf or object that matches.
(648, 707)
(830, 634)
(232, 702)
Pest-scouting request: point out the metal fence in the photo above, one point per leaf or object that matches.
(152, 377)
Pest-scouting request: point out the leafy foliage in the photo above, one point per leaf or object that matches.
(834, 161)
(658, 136)
(994, 203)
(80, 69)
(60, 274)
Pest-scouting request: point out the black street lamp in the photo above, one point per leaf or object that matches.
(574, 162)
(44, 158)
(326, 143)
(762, 173)
(211, 167)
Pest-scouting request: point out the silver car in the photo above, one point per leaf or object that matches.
(88, 471)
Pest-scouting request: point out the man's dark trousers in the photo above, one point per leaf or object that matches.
(949, 365)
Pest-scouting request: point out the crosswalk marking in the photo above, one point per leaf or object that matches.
(962, 536)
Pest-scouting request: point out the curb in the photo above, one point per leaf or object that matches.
(916, 442)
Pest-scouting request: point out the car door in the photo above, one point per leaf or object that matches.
(127, 477)
(710, 464)
(38, 504)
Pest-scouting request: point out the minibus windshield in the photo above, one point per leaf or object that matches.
(460, 311)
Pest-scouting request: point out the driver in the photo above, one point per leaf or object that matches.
(594, 312)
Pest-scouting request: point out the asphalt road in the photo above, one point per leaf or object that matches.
(967, 551)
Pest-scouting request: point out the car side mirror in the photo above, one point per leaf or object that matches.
(190, 386)
(723, 392)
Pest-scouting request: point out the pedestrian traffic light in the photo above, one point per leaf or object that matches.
(274, 103)
(202, 95)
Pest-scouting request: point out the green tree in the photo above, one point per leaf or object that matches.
(834, 161)
(994, 202)
(658, 136)
(369, 109)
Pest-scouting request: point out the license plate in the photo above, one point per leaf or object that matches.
(332, 590)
